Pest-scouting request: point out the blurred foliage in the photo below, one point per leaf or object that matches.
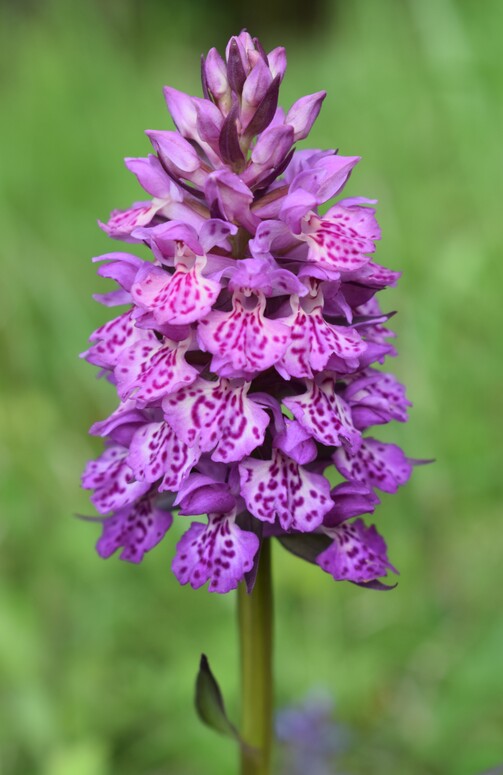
(98, 659)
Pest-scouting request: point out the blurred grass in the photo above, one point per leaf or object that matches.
(97, 660)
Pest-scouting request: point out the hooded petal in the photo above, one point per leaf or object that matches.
(172, 240)
(376, 398)
(295, 441)
(121, 424)
(322, 174)
(200, 494)
(120, 267)
(153, 178)
(177, 155)
(230, 198)
(262, 274)
(350, 499)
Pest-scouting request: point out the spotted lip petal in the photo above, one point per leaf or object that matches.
(112, 480)
(113, 338)
(137, 528)
(342, 239)
(150, 370)
(179, 298)
(313, 341)
(322, 412)
(376, 464)
(282, 489)
(243, 341)
(217, 416)
(219, 552)
(376, 398)
(357, 553)
(156, 453)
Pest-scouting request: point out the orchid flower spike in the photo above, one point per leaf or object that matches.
(246, 354)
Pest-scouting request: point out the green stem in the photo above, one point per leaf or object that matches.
(255, 630)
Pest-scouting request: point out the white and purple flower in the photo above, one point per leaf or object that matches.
(244, 357)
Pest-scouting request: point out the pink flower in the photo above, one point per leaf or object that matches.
(243, 357)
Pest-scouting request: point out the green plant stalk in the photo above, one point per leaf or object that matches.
(255, 613)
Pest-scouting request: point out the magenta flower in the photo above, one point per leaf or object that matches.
(244, 357)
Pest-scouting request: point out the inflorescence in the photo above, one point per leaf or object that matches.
(244, 361)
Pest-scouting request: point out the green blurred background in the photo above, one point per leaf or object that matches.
(97, 659)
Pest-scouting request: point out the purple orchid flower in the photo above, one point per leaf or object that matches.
(245, 358)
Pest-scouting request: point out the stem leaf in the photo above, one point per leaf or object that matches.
(210, 704)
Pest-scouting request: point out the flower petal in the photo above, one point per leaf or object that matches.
(304, 113)
(136, 528)
(313, 341)
(358, 553)
(341, 239)
(243, 341)
(217, 416)
(322, 412)
(156, 452)
(281, 488)
(219, 552)
(178, 298)
(122, 223)
(112, 480)
(150, 370)
(113, 338)
(376, 464)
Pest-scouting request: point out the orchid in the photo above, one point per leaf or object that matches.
(247, 362)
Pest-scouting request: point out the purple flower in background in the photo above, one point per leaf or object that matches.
(244, 356)
(310, 738)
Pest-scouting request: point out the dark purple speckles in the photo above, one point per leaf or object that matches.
(220, 552)
(357, 553)
(299, 504)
